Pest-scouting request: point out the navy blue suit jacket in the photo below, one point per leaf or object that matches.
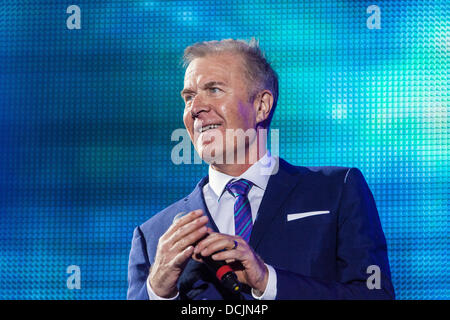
(322, 256)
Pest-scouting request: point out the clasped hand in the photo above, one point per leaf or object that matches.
(190, 237)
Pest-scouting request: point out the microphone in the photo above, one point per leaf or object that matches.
(224, 273)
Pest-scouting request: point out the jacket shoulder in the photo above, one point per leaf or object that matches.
(331, 172)
(336, 174)
(324, 178)
(340, 175)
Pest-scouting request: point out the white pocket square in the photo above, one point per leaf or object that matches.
(295, 216)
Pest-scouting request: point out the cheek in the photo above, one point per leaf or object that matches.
(187, 119)
(235, 115)
(246, 115)
(188, 123)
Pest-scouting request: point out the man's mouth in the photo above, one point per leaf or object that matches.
(208, 127)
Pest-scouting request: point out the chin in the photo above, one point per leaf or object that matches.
(211, 153)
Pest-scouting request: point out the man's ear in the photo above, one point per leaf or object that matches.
(263, 104)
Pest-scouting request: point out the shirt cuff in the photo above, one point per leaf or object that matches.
(154, 296)
(271, 289)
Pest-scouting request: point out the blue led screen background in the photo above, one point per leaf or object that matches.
(86, 117)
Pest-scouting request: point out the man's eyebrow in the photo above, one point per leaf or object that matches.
(213, 84)
(184, 91)
(207, 85)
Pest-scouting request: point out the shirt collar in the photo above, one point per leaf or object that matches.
(255, 174)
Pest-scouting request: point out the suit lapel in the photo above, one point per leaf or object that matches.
(196, 201)
(278, 190)
(197, 280)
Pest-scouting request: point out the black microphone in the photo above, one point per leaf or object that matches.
(224, 273)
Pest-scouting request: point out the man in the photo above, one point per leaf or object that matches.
(295, 233)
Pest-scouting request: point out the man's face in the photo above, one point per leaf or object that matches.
(216, 91)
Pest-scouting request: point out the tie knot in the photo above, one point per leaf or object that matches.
(239, 188)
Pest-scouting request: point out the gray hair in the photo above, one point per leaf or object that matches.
(259, 73)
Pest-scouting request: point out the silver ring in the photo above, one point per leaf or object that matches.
(235, 245)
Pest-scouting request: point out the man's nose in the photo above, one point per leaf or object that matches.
(200, 104)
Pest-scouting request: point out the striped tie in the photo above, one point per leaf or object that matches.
(242, 211)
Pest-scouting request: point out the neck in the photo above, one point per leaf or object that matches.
(232, 170)
(236, 169)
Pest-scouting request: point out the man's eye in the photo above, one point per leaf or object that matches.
(187, 98)
(214, 89)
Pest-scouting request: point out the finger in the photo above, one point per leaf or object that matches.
(190, 239)
(236, 254)
(196, 257)
(181, 258)
(183, 231)
(219, 244)
(212, 237)
(182, 221)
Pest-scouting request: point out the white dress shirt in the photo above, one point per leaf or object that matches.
(220, 204)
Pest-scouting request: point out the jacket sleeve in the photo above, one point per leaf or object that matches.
(360, 244)
(138, 268)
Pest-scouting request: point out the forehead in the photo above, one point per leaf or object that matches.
(227, 68)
